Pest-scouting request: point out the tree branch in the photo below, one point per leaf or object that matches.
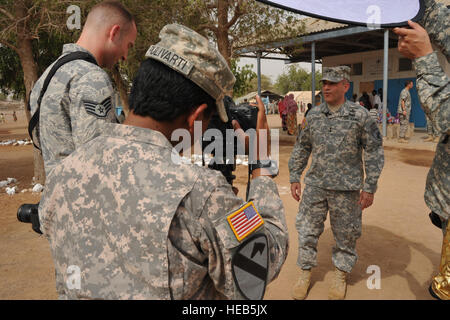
(6, 43)
(6, 13)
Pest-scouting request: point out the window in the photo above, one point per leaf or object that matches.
(357, 69)
(404, 64)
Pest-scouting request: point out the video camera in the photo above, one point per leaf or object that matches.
(28, 213)
(247, 117)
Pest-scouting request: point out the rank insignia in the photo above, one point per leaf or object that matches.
(99, 110)
(245, 220)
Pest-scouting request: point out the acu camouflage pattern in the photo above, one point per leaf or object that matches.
(64, 122)
(336, 142)
(433, 86)
(192, 55)
(336, 74)
(404, 120)
(345, 220)
(142, 227)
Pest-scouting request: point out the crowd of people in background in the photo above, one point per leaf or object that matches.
(3, 117)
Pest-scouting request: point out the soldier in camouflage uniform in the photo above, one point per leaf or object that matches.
(335, 134)
(404, 110)
(80, 93)
(138, 223)
(434, 93)
(432, 134)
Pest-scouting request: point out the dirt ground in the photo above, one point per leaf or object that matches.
(397, 235)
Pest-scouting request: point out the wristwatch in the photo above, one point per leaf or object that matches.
(271, 165)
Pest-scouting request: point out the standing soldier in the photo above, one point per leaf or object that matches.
(335, 135)
(79, 94)
(432, 135)
(141, 224)
(434, 92)
(404, 110)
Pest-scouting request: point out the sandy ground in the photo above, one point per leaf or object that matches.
(397, 236)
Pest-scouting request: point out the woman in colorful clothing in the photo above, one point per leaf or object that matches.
(283, 114)
(291, 110)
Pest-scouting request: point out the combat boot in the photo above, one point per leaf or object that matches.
(429, 139)
(300, 289)
(402, 140)
(338, 286)
(436, 139)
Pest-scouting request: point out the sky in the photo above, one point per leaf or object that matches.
(274, 68)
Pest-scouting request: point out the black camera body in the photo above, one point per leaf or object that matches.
(247, 117)
(29, 213)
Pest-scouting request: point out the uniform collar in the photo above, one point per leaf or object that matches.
(343, 111)
(137, 134)
(73, 47)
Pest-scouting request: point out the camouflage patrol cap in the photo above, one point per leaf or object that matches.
(192, 55)
(336, 74)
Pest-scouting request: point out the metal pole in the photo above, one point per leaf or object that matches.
(258, 66)
(313, 71)
(385, 77)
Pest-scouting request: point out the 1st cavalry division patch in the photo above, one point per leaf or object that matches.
(245, 220)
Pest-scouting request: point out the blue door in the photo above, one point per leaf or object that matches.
(349, 94)
(395, 86)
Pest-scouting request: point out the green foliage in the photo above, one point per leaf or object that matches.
(296, 79)
(243, 76)
(45, 51)
(266, 84)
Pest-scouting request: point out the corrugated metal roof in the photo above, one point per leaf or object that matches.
(313, 25)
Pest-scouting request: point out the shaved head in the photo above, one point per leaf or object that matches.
(109, 32)
(107, 14)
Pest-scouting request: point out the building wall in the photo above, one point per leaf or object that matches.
(372, 72)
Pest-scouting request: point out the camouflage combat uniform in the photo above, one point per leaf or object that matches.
(78, 97)
(140, 224)
(404, 119)
(433, 86)
(142, 227)
(335, 141)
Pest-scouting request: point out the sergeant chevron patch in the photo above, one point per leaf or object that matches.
(99, 110)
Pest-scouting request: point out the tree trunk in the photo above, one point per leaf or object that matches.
(223, 43)
(29, 67)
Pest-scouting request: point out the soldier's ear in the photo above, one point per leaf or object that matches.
(114, 32)
(197, 114)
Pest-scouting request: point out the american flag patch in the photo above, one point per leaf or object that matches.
(245, 220)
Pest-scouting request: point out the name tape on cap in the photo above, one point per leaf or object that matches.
(170, 58)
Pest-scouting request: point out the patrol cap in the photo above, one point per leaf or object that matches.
(336, 74)
(192, 55)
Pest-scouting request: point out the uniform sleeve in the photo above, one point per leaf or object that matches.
(437, 24)
(92, 104)
(372, 143)
(434, 91)
(223, 202)
(300, 154)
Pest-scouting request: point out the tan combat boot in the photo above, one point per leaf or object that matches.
(338, 285)
(429, 139)
(402, 140)
(436, 139)
(300, 289)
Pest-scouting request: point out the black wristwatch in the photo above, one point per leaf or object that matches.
(271, 165)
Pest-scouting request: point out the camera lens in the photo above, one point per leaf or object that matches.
(24, 212)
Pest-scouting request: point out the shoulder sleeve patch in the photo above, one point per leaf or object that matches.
(245, 220)
(98, 109)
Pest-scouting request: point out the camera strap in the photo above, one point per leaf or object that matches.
(78, 55)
